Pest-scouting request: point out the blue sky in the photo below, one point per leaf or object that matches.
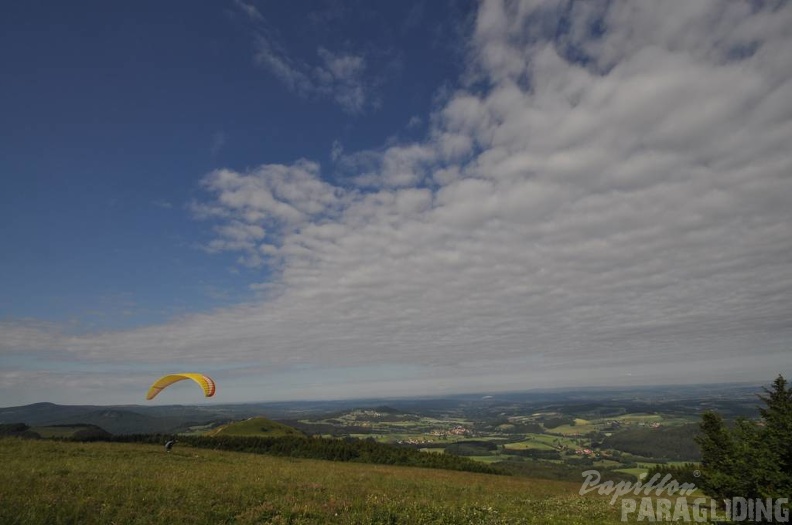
(332, 199)
(112, 113)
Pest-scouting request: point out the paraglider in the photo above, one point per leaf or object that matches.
(204, 381)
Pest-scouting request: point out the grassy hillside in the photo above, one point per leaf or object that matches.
(56, 482)
(256, 426)
(71, 431)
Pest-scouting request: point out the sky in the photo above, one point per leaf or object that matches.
(338, 199)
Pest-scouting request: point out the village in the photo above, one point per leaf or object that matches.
(544, 436)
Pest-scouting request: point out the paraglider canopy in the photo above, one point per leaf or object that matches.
(204, 381)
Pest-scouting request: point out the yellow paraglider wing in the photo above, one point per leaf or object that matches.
(205, 382)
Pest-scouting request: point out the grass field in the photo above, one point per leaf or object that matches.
(640, 418)
(638, 472)
(529, 444)
(50, 482)
(549, 440)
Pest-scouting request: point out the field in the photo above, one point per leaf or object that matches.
(575, 436)
(545, 441)
(51, 482)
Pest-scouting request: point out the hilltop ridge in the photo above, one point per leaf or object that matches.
(255, 426)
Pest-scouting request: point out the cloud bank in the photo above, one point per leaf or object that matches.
(605, 200)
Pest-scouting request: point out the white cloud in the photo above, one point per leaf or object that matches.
(336, 150)
(249, 10)
(263, 206)
(339, 77)
(342, 77)
(414, 122)
(613, 200)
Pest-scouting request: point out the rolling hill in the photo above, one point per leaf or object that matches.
(255, 426)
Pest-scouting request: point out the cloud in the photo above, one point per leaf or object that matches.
(249, 10)
(339, 77)
(262, 207)
(414, 122)
(400, 166)
(342, 77)
(336, 150)
(160, 203)
(607, 194)
(218, 142)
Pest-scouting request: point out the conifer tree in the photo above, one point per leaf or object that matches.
(753, 459)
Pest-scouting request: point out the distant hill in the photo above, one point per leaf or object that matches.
(17, 430)
(43, 413)
(256, 426)
(80, 432)
(118, 419)
(85, 432)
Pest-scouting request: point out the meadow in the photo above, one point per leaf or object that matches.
(52, 482)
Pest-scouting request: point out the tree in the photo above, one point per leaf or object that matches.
(753, 459)
(717, 457)
(776, 436)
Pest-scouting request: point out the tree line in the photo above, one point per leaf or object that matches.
(674, 443)
(751, 458)
(332, 449)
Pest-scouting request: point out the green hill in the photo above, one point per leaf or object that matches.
(256, 426)
(87, 483)
(79, 431)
